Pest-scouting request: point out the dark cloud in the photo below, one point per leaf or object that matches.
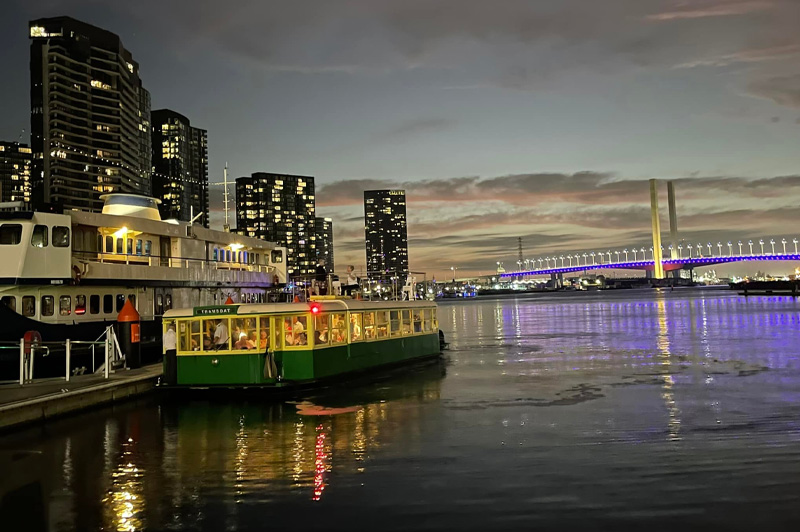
(413, 128)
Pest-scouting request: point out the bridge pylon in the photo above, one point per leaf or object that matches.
(658, 272)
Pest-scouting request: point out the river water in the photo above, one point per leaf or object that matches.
(640, 409)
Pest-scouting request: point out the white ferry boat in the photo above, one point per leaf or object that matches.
(68, 275)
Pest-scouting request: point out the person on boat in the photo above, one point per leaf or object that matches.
(322, 336)
(355, 328)
(351, 283)
(320, 278)
(252, 340)
(298, 326)
(289, 338)
(221, 335)
(301, 339)
(262, 342)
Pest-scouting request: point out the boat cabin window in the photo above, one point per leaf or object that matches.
(109, 244)
(356, 322)
(159, 304)
(338, 329)
(263, 333)
(28, 306)
(94, 304)
(216, 334)
(215, 254)
(48, 306)
(64, 305)
(244, 335)
(322, 329)
(148, 247)
(276, 256)
(108, 304)
(10, 234)
(119, 245)
(138, 246)
(417, 321)
(296, 328)
(10, 302)
(395, 322)
(406, 315)
(434, 321)
(426, 320)
(189, 337)
(129, 246)
(369, 325)
(167, 301)
(382, 323)
(80, 305)
(39, 236)
(61, 236)
(120, 302)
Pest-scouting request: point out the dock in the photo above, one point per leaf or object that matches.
(49, 398)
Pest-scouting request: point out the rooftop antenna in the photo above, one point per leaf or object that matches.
(225, 197)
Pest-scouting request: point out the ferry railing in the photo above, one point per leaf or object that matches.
(135, 259)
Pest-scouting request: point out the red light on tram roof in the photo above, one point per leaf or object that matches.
(314, 309)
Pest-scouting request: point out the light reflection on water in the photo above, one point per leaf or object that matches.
(639, 408)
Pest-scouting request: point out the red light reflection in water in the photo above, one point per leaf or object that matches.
(321, 459)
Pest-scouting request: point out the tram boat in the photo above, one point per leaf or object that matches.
(68, 275)
(295, 345)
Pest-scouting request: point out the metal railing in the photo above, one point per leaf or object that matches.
(112, 355)
(103, 257)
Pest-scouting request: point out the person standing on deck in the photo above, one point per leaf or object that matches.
(221, 335)
(321, 278)
(170, 346)
(352, 281)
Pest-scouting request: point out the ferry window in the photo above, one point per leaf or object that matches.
(356, 320)
(338, 329)
(244, 253)
(129, 246)
(10, 234)
(108, 304)
(159, 304)
(120, 302)
(94, 304)
(382, 323)
(322, 333)
(189, 336)
(138, 246)
(426, 320)
(64, 305)
(258, 257)
(48, 306)
(227, 255)
(276, 256)
(417, 321)
(263, 333)
(39, 236)
(61, 236)
(215, 254)
(434, 321)
(296, 330)
(80, 305)
(369, 325)
(119, 245)
(28, 306)
(109, 244)
(99, 243)
(394, 316)
(167, 301)
(148, 247)
(10, 302)
(215, 335)
(406, 315)
(132, 298)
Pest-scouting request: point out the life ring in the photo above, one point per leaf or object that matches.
(31, 340)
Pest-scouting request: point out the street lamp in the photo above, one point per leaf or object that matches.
(643, 257)
(617, 254)
(761, 241)
(680, 250)
(454, 268)
(772, 243)
(795, 245)
(540, 264)
(690, 250)
(783, 241)
(670, 250)
(730, 249)
(592, 254)
(585, 262)
(562, 260)
(570, 260)
(719, 246)
(577, 259)
(634, 254)
(751, 247)
(699, 249)
(709, 249)
(625, 251)
(519, 265)
(740, 248)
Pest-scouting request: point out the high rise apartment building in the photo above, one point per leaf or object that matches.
(180, 166)
(323, 231)
(15, 172)
(90, 116)
(280, 208)
(386, 234)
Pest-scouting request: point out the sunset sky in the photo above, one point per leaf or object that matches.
(501, 118)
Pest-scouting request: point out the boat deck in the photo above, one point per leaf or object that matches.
(47, 398)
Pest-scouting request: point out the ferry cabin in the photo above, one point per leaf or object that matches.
(81, 266)
(289, 343)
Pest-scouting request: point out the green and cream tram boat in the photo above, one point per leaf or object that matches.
(287, 344)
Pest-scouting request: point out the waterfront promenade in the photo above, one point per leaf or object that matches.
(48, 398)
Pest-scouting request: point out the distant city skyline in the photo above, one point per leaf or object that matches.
(535, 119)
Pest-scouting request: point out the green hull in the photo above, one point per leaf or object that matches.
(299, 367)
